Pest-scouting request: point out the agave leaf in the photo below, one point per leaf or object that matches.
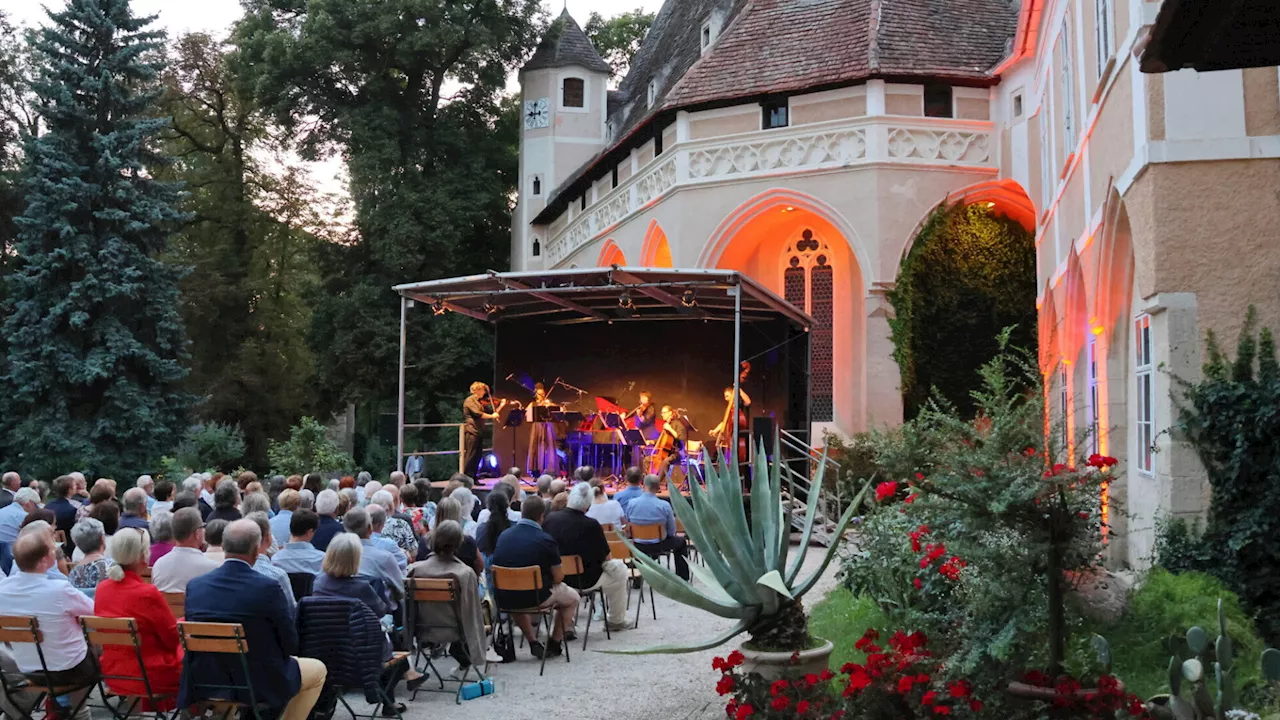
(732, 539)
(670, 585)
(713, 586)
(804, 587)
(707, 547)
(725, 490)
(811, 510)
(763, 514)
(773, 579)
(784, 519)
(720, 639)
(739, 567)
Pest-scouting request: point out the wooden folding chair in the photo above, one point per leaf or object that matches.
(444, 591)
(177, 602)
(525, 579)
(24, 629)
(224, 639)
(620, 551)
(573, 572)
(123, 632)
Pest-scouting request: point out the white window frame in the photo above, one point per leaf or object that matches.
(1017, 104)
(586, 94)
(706, 36)
(1092, 370)
(1068, 91)
(1103, 32)
(652, 93)
(1144, 385)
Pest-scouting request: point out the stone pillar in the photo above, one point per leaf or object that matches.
(883, 378)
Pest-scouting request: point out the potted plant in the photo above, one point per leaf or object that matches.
(746, 574)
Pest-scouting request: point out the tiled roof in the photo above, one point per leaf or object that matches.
(566, 44)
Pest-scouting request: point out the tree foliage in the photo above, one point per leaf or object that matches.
(618, 38)
(970, 273)
(94, 341)
(308, 450)
(1232, 419)
(17, 120)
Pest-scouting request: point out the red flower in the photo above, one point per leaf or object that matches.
(919, 476)
(858, 681)
(942, 710)
(802, 707)
(781, 702)
(916, 581)
(1083, 515)
(731, 707)
(811, 679)
(1100, 461)
(735, 659)
(960, 688)
(975, 705)
(725, 686)
(904, 684)
(778, 686)
(744, 711)
(867, 639)
(718, 664)
(1029, 452)
(1037, 678)
(886, 490)
(826, 675)
(929, 698)
(911, 498)
(1136, 707)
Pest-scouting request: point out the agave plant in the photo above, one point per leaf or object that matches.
(746, 575)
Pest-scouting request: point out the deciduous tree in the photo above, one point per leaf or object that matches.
(618, 38)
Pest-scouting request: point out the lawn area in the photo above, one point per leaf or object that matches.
(842, 617)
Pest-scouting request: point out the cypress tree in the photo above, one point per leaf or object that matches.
(93, 335)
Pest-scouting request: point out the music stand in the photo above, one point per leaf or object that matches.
(515, 418)
(542, 413)
(631, 436)
(573, 417)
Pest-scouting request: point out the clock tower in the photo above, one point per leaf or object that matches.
(563, 106)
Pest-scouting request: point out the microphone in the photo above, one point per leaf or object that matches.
(511, 376)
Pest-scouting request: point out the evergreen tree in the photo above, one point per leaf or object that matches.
(92, 332)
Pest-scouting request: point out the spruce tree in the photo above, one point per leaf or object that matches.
(92, 333)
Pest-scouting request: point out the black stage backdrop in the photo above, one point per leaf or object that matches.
(683, 363)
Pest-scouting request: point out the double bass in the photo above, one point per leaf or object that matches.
(723, 432)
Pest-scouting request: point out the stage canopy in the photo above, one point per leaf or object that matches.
(609, 294)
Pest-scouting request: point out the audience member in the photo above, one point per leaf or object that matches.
(560, 501)
(25, 500)
(510, 492)
(370, 489)
(467, 551)
(107, 513)
(374, 562)
(255, 502)
(9, 485)
(161, 535)
(558, 486)
(583, 474)
(134, 504)
(397, 529)
(184, 499)
(649, 509)
(64, 510)
(378, 520)
(236, 593)
(605, 510)
(526, 544)
(263, 563)
(40, 522)
(299, 555)
(57, 606)
(544, 487)
(465, 501)
(633, 490)
(79, 494)
(327, 509)
(148, 485)
(205, 494)
(245, 479)
(415, 504)
(213, 531)
(226, 501)
(492, 527)
(578, 534)
(344, 503)
(163, 499)
(187, 559)
(123, 593)
(288, 502)
(306, 500)
(437, 620)
(397, 479)
(103, 491)
(294, 482)
(92, 542)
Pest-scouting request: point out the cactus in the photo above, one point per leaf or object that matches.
(1192, 671)
(1102, 649)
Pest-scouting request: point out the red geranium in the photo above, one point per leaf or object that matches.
(886, 490)
(726, 684)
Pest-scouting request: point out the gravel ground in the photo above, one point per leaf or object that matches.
(609, 687)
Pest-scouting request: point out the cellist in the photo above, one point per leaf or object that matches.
(670, 442)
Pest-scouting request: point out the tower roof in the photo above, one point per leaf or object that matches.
(566, 44)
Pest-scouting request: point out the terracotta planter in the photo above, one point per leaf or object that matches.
(773, 665)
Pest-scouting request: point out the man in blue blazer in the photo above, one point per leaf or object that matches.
(236, 593)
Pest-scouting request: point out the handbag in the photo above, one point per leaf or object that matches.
(504, 644)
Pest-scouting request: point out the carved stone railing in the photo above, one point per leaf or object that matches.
(807, 148)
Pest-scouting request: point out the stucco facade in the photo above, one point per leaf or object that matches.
(1152, 198)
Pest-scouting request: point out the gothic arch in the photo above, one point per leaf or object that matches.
(1008, 198)
(655, 251)
(610, 254)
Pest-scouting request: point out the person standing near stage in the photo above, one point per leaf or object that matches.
(474, 421)
(542, 438)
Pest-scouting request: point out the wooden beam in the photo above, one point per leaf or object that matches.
(657, 293)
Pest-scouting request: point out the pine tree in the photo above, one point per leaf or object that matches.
(93, 335)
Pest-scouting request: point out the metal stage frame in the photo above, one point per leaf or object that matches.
(615, 294)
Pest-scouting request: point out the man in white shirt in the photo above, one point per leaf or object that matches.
(57, 606)
(374, 561)
(186, 560)
(148, 486)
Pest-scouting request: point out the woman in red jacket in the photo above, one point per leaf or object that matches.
(126, 594)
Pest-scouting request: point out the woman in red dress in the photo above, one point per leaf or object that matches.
(124, 594)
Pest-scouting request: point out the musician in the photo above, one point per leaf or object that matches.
(724, 431)
(671, 425)
(542, 439)
(646, 416)
(474, 421)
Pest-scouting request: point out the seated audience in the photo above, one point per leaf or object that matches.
(226, 501)
(92, 542)
(437, 620)
(147, 484)
(417, 507)
(344, 503)
(649, 509)
(288, 502)
(236, 593)
(163, 497)
(245, 479)
(526, 544)
(134, 504)
(577, 534)
(633, 490)
(123, 593)
(187, 559)
(560, 501)
(511, 494)
(57, 606)
(558, 486)
(255, 502)
(465, 501)
(263, 563)
(491, 528)
(64, 510)
(161, 535)
(40, 522)
(605, 510)
(544, 487)
(374, 562)
(398, 527)
(12, 515)
(103, 491)
(213, 540)
(299, 555)
(467, 552)
(108, 514)
(378, 519)
(327, 509)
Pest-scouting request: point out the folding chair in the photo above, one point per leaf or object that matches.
(23, 629)
(223, 639)
(123, 632)
(177, 602)
(656, 533)
(315, 642)
(573, 572)
(301, 582)
(621, 551)
(444, 591)
(525, 579)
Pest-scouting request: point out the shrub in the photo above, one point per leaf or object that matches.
(1230, 418)
(308, 449)
(211, 446)
(1180, 546)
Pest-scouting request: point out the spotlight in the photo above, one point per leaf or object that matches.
(625, 302)
(438, 308)
(689, 300)
(490, 308)
(488, 466)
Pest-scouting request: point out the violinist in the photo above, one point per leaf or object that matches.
(645, 416)
(542, 456)
(670, 442)
(477, 410)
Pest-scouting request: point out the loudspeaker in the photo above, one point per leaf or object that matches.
(762, 429)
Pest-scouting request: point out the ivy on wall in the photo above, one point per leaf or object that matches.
(970, 274)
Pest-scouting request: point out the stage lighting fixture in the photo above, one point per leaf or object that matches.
(491, 461)
(490, 308)
(437, 307)
(624, 301)
(689, 300)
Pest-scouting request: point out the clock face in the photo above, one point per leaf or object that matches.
(536, 114)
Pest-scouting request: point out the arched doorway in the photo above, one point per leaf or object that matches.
(655, 252)
(804, 251)
(611, 254)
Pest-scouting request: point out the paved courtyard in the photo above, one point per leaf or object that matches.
(602, 686)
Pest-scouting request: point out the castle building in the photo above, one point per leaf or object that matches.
(803, 142)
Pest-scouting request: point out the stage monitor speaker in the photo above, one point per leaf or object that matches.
(762, 429)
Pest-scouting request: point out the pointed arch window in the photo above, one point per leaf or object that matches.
(809, 284)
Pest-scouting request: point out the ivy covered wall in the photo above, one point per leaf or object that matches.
(970, 273)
